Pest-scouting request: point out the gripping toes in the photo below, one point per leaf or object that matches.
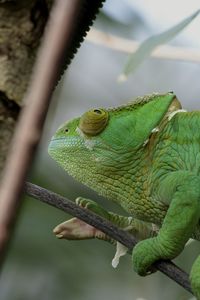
(83, 202)
(75, 229)
(93, 206)
(143, 256)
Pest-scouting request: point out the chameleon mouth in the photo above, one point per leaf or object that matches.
(60, 145)
(54, 145)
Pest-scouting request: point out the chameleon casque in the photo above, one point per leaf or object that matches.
(145, 156)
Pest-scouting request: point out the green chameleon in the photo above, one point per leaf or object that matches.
(145, 156)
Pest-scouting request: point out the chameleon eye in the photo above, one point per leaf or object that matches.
(97, 111)
(93, 121)
(66, 130)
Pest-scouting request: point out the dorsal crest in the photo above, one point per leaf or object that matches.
(142, 100)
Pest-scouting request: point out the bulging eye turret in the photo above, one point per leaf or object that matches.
(93, 121)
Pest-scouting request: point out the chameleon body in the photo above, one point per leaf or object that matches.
(145, 156)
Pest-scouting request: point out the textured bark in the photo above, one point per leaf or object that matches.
(21, 27)
(8, 116)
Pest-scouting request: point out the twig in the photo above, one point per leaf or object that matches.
(166, 267)
(56, 40)
(129, 46)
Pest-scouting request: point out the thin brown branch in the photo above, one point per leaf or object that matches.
(56, 41)
(166, 267)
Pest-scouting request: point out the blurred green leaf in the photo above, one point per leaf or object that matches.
(145, 49)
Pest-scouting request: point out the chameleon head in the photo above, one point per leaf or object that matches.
(76, 143)
(82, 144)
(99, 147)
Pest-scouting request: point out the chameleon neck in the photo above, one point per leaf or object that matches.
(125, 182)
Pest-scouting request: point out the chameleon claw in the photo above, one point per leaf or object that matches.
(59, 236)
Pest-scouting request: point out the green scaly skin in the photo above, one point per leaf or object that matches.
(145, 156)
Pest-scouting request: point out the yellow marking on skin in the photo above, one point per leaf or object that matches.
(89, 144)
(145, 142)
(175, 112)
(80, 132)
(156, 129)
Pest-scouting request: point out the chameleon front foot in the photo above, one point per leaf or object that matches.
(75, 229)
(92, 206)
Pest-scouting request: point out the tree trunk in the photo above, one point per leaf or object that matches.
(22, 24)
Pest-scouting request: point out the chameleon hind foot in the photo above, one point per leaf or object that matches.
(143, 256)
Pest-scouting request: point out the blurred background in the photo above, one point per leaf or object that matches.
(38, 266)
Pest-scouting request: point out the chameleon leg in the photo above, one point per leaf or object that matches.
(195, 277)
(183, 188)
(75, 229)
